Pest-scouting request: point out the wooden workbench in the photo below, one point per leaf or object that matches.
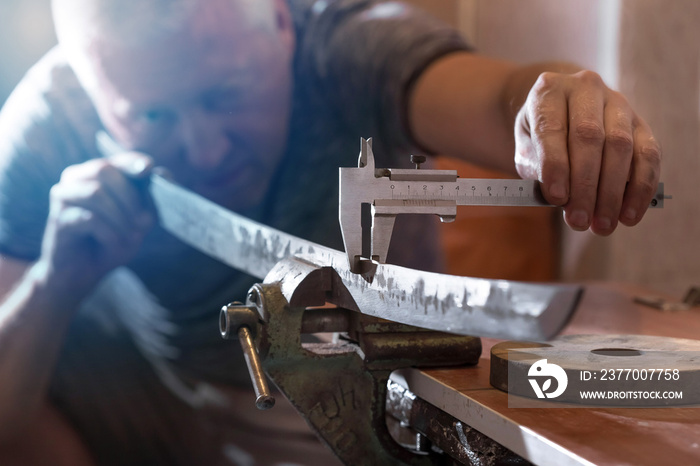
(561, 436)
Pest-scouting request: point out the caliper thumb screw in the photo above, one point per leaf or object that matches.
(418, 160)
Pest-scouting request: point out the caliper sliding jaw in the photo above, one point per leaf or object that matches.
(340, 388)
(363, 185)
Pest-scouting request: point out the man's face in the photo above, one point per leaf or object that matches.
(210, 103)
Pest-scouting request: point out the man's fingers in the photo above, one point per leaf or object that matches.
(586, 142)
(615, 169)
(85, 232)
(105, 197)
(644, 177)
(137, 167)
(78, 223)
(589, 149)
(133, 164)
(547, 118)
(90, 196)
(117, 193)
(129, 194)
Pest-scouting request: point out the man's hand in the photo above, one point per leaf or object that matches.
(99, 214)
(593, 154)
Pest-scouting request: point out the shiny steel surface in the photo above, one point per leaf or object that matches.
(263, 399)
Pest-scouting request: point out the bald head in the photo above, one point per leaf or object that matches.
(80, 24)
(135, 21)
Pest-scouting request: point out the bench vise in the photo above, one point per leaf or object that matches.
(348, 409)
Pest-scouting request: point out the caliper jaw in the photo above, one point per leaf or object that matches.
(340, 388)
(353, 181)
(358, 186)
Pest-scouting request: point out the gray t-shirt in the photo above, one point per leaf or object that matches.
(354, 65)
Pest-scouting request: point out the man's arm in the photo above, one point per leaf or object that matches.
(32, 325)
(40, 434)
(97, 221)
(551, 122)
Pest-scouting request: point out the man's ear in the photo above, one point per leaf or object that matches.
(285, 25)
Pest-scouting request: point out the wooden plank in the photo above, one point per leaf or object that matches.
(578, 435)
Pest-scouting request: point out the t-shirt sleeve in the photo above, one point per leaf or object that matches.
(24, 186)
(363, 57)
(36, 144)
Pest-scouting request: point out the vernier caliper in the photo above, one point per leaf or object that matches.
(392, 191)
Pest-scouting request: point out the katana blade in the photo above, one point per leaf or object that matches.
(462, 305)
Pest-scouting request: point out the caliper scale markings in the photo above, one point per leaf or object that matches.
(395, 191)
(464, 191)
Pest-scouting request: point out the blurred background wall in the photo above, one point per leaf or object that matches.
(26, 33)
(649, 49)
(659, 64)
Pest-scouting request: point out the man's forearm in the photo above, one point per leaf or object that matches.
(465, 106)
(33, 322)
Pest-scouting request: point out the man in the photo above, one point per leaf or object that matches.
(108, 345)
